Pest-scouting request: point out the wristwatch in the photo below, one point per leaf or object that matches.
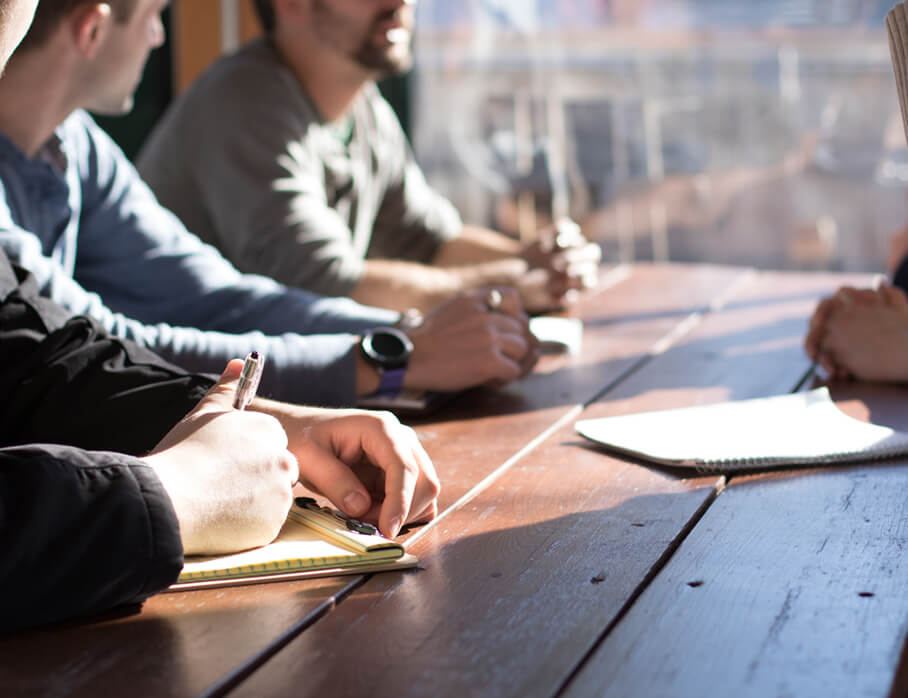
(388, 350)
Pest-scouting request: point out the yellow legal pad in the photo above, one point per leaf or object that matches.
(314, 542)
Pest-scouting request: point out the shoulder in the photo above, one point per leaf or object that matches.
(247, 99)
(254, 78)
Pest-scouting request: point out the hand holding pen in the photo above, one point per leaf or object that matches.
(396, 484)
(228, 473)
(367, 464)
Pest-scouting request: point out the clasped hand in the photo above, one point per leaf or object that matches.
(861, 333)
(463, 343)
(561, 262)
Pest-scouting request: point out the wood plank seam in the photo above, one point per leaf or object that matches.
(244, 670)
(651, 574)
(489, 479)
(678, 332)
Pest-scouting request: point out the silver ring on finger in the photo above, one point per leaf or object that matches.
(493, 300)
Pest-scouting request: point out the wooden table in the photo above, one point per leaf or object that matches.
(557, 570)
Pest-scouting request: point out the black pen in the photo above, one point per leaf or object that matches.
(249, 380)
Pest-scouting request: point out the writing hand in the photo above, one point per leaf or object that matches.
(228, 473)
(367, 464)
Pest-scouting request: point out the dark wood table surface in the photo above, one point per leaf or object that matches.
(555, 569)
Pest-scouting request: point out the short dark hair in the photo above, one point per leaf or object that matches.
(265, 10)
(51, 12)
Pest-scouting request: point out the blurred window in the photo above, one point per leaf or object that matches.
(762, 133)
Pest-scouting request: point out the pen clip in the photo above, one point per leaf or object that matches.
(352, 524)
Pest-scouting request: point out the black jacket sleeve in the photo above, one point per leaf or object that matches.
(64, 380)
(81, 532)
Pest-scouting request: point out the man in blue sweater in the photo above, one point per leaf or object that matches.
(74, 212)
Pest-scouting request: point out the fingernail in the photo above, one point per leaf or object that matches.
(355, 503)
(395, 526)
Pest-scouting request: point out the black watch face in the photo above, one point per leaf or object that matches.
(388, 348)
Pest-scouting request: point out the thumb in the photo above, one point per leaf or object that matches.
(220, 397)
(217, 400)
(545, 238)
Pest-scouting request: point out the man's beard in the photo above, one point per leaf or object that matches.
(387, 60)
(383, 60)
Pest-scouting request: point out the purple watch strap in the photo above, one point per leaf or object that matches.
(392, 381)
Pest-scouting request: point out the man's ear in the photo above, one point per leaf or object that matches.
(90, 23)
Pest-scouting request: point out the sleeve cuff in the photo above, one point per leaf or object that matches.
(166, 545)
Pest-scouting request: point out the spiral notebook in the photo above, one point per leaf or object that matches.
(314, 542)
(786, 430)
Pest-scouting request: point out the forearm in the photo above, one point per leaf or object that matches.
(82, 532)
(317, 369)
(295, 418)
(222, 299)
(314, 369)
(403, 285)
(365, 382)
(475, 245)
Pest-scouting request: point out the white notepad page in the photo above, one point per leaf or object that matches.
(799, 428)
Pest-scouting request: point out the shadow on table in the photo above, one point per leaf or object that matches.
(176, 644)
(511, 597)
(900, 684)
